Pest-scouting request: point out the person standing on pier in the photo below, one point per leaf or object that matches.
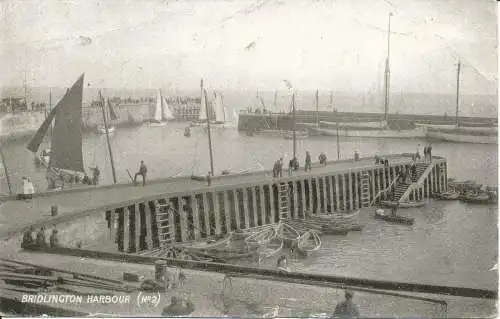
(143, 171)
(356, 156)
(290, 167)
(308, 161)
(426, 152)
(40, 238)
(429, 152)
(28, 238)
(347, 308)
(53, 239)
(280, 167)
(96, 173)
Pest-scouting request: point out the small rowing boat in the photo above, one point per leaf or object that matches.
(393, 218)
(481, 198)
(410, 204)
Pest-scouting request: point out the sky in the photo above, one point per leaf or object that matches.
(246, 45)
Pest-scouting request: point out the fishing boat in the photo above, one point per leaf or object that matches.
(162, 113)
(451, 195)
(460, 133)
(366, 130)
(107, 113)
(64, 159)
(409, 204)
(480, 198)
(203, 116)
(393, 218)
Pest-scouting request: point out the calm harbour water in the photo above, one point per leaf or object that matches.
(451, 243)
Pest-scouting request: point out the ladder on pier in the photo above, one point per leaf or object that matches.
(365, 189)
(163, 218)
(284, 198)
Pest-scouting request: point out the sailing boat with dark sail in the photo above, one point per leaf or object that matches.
(64, 160)
(110, 115)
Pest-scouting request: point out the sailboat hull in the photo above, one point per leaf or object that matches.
(463, 136)
(418, 132)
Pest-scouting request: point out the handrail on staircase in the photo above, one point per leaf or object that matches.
(418, 183)
(384, 190)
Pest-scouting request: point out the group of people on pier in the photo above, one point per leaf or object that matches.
(40, 240)
(293, 164)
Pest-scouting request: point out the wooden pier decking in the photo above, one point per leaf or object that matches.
(183, 209)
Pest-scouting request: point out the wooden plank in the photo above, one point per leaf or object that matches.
(272, 201)
(196, 216)
(262, 198)
(337, 193)
(357, 199)
(295, 212)
(218, 228)
(344, 195)
(206, 214)
(237, 208)
(227, 211)
(254, 207)
(325, 192)
(330, 182)
(310, 208)
(303, 198)
(182, 219)
(318, 196)
(137, 227)
(246, 208)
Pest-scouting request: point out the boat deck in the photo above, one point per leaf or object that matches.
(17, 215)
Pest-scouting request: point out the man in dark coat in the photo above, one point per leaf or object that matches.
(176, 308)
(347, 308)
(308, 161)
(143, 171)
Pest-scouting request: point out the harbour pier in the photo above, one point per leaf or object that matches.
(162, 213)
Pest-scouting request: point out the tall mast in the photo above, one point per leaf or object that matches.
(458, 92)
(209, 137)
(331, 100)
(317, 108)
(107, 137)
(293, 127)
(387, 81)
(6, 170)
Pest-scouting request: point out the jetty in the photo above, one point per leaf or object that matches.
(184, 209)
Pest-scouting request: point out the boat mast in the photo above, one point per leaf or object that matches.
(107, 137)
(317, 108)
(387, 71)
(458, 92)
(293, 127)
(6, 170)
(209, 137)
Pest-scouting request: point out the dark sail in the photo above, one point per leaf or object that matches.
(112, 114)
(37, 139)
(67, 137)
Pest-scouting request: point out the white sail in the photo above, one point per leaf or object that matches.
(235, 117)
(157, 114)
(167, 113)
(219, 109)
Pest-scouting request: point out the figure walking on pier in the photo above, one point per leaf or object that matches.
(143, 170)
(308, 161)
(96, 173)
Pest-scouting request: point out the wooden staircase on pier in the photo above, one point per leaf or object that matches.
(284, 198)
(401, 189)
(163, 216)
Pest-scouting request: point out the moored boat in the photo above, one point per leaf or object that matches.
(451, 195)
(300, 135)
(481, 198)
(393, 218)
(409, 204)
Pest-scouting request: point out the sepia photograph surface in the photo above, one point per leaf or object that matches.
(249, 158)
